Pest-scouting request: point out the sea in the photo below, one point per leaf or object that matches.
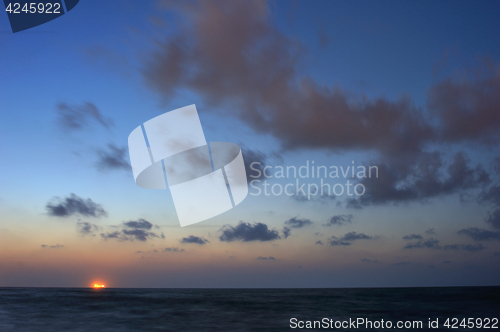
(318, 309)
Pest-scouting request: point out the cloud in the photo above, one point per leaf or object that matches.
(430, 231)
(340, 219)
(298, 223)
(323, 199)
(496, 165)
(467, 106)
(114, 158)
(255, 161)
(194, 239)
(434, 244)
(480, 234)
(138, 234)
(412, 237)
(494, 219)
(319, 242)
(141, 224)
(466, 247)
(430, 243)
(72, 117)
(247, 232)
(266, 258)
(173, 249)
(492, 195)
(366, 260)
(348, 238)
(352, 236)
(287, 231)
(232, 55)
(418, 177)
(133, 230)
(74, 205)
(52, 247)
(86, 228)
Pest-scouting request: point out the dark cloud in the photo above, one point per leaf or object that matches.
(194, 239)
(247, 232)
(86, 228)
(298, 223)
(138, 234)
(323, 199)
(492, 195)
(430, 243)
(52, 247)
(419, 177)
(434, 244)
(352, 236)
(231, 55)
(173, 249)
(140, 224)
(466, 247)
(133, 230)
(319, 242)
(366, 260)
(78, 116)
(446, 262)
(254, 161)
(287, 231)
(412, 237)
(340, 219)
(467, 107)
(74, 205)
(494, 219)
(496, 165)
(266, 258)
(480, 234)
(114, 158)
(348, 238)
(430, 231)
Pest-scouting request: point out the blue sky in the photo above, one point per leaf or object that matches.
(410, 87)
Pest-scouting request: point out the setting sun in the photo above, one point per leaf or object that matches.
(99, 286)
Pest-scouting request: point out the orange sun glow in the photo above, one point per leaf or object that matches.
(98, 286)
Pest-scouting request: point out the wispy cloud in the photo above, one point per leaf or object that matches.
(266, 258)
(339, 220)
(52, 247)
(348, 238)
(113, 158)
(172, 249)
(86, 228)
(298, 222)
(72, 117)
(480, 234)
(434, 244)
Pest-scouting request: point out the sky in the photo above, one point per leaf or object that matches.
(411, 89)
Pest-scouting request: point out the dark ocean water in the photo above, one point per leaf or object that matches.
(82, 309)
